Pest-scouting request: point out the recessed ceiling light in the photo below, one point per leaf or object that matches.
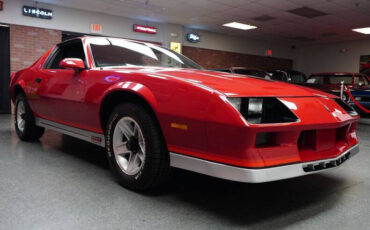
(365, 30)
(240, 26)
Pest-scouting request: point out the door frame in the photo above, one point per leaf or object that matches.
(5, 102)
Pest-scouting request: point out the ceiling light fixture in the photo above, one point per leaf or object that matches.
(365, 30)
(240, 26)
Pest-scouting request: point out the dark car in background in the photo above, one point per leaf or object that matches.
(357, 83)
(331, 82)
(246, 71)
(291, 76)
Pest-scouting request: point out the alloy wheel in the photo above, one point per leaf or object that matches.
(129, 146)
(21, 113)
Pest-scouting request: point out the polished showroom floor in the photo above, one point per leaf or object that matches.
(64, 183)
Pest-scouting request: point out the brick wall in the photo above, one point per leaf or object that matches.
(214, 59)
(27, 44)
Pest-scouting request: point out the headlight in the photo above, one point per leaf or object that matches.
(349, 109)
(236, 102)
(255, 110)
(255, 106)
(262, 110)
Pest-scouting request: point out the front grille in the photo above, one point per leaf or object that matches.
(322, 139)
(326, 164)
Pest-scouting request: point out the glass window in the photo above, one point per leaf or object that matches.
(366, 82)
(337, 79)
(297, 77)
(278, 75)
(331, 79)
(72, 50)
(121, 52)
(316, 80)
(360, 80)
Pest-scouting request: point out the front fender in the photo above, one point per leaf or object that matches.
(133, 87)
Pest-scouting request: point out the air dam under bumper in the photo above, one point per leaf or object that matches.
(250, 175)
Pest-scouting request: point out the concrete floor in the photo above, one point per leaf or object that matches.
(64, 183)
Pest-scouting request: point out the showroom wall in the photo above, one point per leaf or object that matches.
(27, 44)
(214, 59)
(74, 20)
(339, 56)
(217, 41)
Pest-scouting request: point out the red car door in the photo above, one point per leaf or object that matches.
(62, 92)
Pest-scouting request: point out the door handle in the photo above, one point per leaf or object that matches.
(38, 80)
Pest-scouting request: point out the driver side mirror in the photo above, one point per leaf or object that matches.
(72, 63)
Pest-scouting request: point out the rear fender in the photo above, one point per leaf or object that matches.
(13, 87)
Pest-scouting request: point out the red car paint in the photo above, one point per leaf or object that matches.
(197, 98)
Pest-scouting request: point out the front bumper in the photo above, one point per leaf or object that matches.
(252, 175)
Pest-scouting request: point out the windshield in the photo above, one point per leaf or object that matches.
(121, 52)
(297, 77)
(252, 72)
(331, 79)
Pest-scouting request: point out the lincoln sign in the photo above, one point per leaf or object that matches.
(37, 12)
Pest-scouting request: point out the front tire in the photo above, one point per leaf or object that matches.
(136, 150)
(24, 121)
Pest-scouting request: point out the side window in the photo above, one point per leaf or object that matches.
(279, 76)
(366, 82)
(362, 81)
(72, 50)
(314, 79)
(356, 80)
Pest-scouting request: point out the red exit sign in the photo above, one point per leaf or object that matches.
(95, 28)
(145, 29)
(1, 5)
(269, 52)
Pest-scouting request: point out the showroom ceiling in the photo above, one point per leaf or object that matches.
(295, 21)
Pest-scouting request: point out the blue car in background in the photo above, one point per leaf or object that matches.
(363, 97)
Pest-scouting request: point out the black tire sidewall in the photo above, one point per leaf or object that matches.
(153, 144)
(22, 134)
(30, 132)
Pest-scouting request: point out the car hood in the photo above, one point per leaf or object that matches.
(232, 85)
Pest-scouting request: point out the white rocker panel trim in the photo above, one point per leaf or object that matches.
(92, 137)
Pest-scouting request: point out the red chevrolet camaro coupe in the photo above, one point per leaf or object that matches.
(153, 109)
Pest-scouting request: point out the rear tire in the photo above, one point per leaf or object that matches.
(24, 121)
(136, 150)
